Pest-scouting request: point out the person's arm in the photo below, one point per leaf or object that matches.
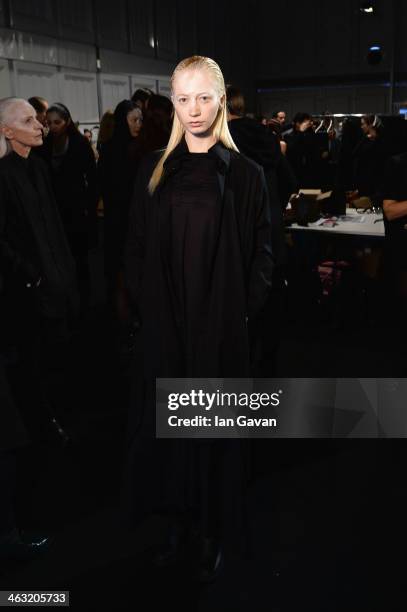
(11, 261)
(262, 258)
(394, 209)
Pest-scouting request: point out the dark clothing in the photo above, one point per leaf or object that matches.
(76, 191)
(198, 264)
(304, 155)
(240, 276)
(12, 430)
(74, 181)
(395, 188)
(33, 248)
(117, 170)
(258, 143)
(194, 218)
(368, 166)
(32, 240)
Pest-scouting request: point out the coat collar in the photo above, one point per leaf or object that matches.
(220, 153)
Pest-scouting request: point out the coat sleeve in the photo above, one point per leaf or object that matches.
(262, 262)
(12, 262)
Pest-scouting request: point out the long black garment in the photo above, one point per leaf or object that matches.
(33, 249)
(33, 244)
(198, 264)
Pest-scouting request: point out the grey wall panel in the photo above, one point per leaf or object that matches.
(112, 25)
(5, 80)
(114, 88)
(167, 29)
(36, 80)
(39, 16)
(76, 20)
(29, 47)
(124, 63)
(78, 91)
(75, 55)
(141, 28)
(2, 14)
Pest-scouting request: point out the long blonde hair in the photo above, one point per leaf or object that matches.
(220, 128)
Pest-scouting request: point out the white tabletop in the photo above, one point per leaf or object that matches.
(362, 224)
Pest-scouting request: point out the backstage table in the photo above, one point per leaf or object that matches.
(364, 224)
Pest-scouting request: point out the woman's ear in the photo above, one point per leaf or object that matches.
(7, 131)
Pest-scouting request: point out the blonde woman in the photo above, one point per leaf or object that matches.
(198, 268)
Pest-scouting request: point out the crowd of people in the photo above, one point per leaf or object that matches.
(194, 193)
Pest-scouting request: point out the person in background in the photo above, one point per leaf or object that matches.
(89, 135)
(141, 97)
(369, 159)
(37, 269)
(117, 169)
(303, 152)
(41, 106)
(72, 166)
(105, 130)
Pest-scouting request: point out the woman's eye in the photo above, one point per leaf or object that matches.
(205, 98)
(182, 100)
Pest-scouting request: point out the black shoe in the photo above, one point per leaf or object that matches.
(210, 560)
(15, 547)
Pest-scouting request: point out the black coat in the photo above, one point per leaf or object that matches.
(32, 239)
(117, 170)
(76, 190)
(12, 430)
(241, 275)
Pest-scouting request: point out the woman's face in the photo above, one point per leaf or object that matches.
(57, 125)
(196, 100)
(22, 128)
(135, 121)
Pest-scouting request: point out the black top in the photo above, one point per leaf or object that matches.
(217, 274)
(368, 165)
(395, 188)
(32, 239)
(194, 227)
(75, 184)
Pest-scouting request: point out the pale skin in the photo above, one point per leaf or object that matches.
(197, 103)
(22, 129)
(394, 209)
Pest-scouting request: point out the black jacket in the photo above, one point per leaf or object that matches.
(33, 245)
(241, 276)
(75, 186)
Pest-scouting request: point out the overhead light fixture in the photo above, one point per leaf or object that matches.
(374, 55)
(367, 8)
